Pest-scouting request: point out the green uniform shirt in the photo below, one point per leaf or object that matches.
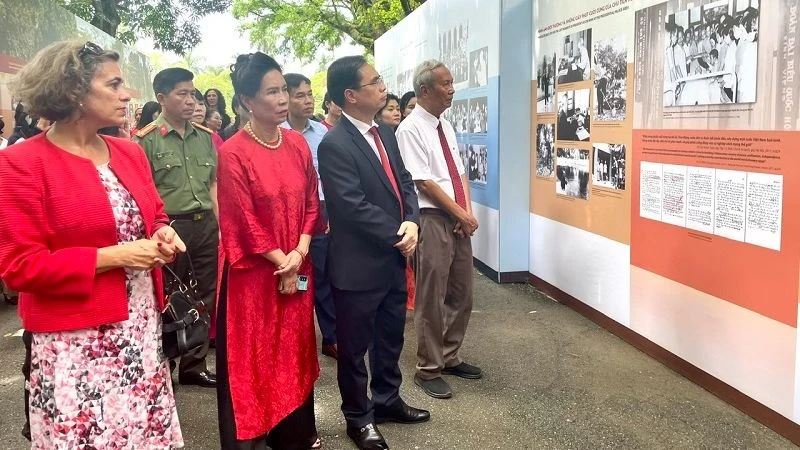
(184, 168)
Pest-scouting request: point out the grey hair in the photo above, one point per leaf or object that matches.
(423, 75)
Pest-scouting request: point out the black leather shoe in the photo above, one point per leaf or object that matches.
(400, 412)
(367, 438)
(202, 379)
(436, 388)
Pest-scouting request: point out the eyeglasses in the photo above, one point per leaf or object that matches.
(90, 48)
(376, 80)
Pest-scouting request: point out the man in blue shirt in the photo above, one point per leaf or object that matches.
(301, 107)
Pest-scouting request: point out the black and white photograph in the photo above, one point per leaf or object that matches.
(711, 54)
(478, 163)
(478, 115)
(463, 152)
(545, 80)
(610, 79)
(609, 166)
(574, 115)
(478, 67)
(572, 172)
(575, 63)
(453, 51)
(405, 81)
(456, 114)
(545, 144)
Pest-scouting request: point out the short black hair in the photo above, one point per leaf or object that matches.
(294, 80)
(166, 80)
(198, 95)
(248, 71)
(343, 74)
(390, 97)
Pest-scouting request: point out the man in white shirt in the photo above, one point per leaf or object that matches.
(443, 260)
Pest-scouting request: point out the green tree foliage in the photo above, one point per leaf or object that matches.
(298, 28)
(171, 23)
(319, 85)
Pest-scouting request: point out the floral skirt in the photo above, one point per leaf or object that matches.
(107, 387)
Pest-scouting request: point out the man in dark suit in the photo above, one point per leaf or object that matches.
(374, 220)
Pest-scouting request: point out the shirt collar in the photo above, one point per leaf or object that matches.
(162, 124)
(427, 117)
(363, 127)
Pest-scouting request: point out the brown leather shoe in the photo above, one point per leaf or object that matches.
(330, 350)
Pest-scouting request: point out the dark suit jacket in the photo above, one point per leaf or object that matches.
(363, 210)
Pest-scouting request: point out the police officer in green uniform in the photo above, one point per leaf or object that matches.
(184, 165)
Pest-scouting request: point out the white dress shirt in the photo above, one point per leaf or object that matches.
(422, 153)
(364, 128)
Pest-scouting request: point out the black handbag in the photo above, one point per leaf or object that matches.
(185, 321)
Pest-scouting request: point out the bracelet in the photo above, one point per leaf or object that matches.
(302, 256)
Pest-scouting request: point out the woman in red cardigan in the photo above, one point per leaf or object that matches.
(84, 236)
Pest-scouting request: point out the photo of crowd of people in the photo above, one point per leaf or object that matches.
(573, 115)
(609, 166)
(572, 172)
(478, 115)
(478, 67)
(611, 79)
(453, 51)
(478, 163)
(545, 142)
(712, 54)
(457, 116)
(575, 62)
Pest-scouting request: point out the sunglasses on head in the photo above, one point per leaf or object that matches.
(90, 48)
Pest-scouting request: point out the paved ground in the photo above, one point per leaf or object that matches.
(554, 381)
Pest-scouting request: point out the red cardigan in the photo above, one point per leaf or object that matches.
(54, 215)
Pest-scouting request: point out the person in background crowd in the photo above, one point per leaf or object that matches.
(390, 115)
(199, 114)
(213, 122)
(332, 112)
(216, 101)
(407, 103)
(301, 107)
(242, 117)
(184, 166)
(373, 216)
(83, 243)
(443, 261)
(266, 343)
(3, 141)
(25, 125)
(137, 115)
(150, 112)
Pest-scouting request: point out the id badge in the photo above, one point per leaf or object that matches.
(302, 282)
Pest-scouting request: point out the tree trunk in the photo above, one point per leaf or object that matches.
(406, 6)
(106, 16)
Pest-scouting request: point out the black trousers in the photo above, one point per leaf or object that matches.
(297, 431)
(367, 319)
(201, 238)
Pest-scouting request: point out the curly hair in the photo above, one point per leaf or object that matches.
(53, 84)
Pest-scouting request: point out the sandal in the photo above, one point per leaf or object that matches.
(316, 445)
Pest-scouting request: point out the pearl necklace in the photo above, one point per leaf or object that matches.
(249, 128)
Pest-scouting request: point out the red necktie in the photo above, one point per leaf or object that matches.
(455, 178)
(387, 168)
